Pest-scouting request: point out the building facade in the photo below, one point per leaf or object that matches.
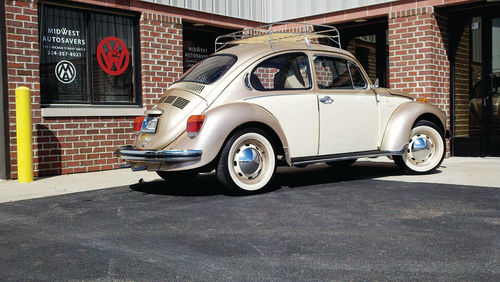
(93, 66)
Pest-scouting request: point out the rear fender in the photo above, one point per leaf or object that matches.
(397, 132)
(219, 123)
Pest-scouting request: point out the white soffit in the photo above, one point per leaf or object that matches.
(268, 11)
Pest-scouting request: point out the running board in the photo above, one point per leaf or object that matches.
(346, 156)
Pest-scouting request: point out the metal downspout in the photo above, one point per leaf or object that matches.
(4, 102)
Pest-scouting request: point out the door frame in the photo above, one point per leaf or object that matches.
(4, 102)
(457, 18)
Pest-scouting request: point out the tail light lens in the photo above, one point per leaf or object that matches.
(138, 123)
(194, 125)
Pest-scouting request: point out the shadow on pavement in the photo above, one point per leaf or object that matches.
(207, 185)
(201, 185)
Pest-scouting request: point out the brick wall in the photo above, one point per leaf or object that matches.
(21, 21)
(64, 145)
(161, 54)
(418, 59)
(462, 84)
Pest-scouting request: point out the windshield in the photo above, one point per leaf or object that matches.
(209, 70)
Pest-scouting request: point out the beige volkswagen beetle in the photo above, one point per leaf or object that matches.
(275, 96)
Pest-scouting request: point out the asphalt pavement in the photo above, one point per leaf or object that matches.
(318, 224)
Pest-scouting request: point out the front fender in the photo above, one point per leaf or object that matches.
(218, 125)
(397, 132)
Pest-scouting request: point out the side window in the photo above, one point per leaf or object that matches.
(332, 73)
(357, 79)
(282, 72)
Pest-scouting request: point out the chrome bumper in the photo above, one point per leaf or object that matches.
(130, 153)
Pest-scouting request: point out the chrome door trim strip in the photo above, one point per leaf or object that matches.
(345, 156)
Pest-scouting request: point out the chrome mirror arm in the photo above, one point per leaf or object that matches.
(373, 86)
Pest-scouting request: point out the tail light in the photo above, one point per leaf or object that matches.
(138, 123)
(194, 125)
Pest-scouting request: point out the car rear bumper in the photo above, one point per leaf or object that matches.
(130, 153)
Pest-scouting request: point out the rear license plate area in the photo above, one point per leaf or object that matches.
(149, 124)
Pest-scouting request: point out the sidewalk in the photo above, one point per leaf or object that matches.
(12, 190)
(458, 171)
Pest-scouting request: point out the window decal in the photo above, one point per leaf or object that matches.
(65, 71)
(113, 55)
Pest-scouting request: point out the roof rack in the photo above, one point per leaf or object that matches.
(279, 32)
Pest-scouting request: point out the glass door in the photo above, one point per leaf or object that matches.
(476, 85)
(492, 97)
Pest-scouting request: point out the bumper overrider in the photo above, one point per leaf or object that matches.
(129, 153)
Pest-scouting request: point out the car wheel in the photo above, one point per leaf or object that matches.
(342, 163)
(176, 176)
(425, 151)
(247, 163)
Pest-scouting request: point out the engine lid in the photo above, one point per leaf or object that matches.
(173, 111)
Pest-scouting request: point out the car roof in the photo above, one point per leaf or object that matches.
(249, 51)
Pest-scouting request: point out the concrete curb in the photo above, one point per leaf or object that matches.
(456, 171)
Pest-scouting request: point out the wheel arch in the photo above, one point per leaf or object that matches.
(276, 140)
(432, 118)
(222, 122)
(398, 128)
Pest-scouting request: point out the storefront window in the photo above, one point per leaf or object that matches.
(199, 42)
(368, 42)
(86, 57)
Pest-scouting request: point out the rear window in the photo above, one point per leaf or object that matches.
(209, 70)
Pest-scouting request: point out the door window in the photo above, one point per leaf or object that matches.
(283, 72)
(357, 78)
(337, 73)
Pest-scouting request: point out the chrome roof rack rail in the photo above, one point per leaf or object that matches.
(279, 32)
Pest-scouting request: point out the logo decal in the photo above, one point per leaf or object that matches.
(113, 55)
(65, 72)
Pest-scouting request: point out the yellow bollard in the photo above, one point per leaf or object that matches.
(24, 135)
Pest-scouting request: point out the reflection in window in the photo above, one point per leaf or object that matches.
(67, 83)
(209, 70)
(288, 71)
(335, 73)
(113, 76)
(357, 77)
(87, 57)
(332, 73)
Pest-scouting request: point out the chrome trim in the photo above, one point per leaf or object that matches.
(139, 168)
(130, 153)
(326, 100)
(349, 156)
(246, 81)
(154, 112)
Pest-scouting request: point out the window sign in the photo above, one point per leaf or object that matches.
(63, 46)
(86, 57)
(112, 57)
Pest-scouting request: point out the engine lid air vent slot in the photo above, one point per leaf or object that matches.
(170, 99)
(180, 103)
(196, 88)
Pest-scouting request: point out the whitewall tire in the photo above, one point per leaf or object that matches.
(248, 162)
(426, 149)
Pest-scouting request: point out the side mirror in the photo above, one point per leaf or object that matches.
(375, 84)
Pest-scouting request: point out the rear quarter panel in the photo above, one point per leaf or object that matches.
(220, 122)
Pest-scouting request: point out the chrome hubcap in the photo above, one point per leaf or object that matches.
(248, 161)
(420, 148)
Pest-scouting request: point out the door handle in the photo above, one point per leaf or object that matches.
(326, 100)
